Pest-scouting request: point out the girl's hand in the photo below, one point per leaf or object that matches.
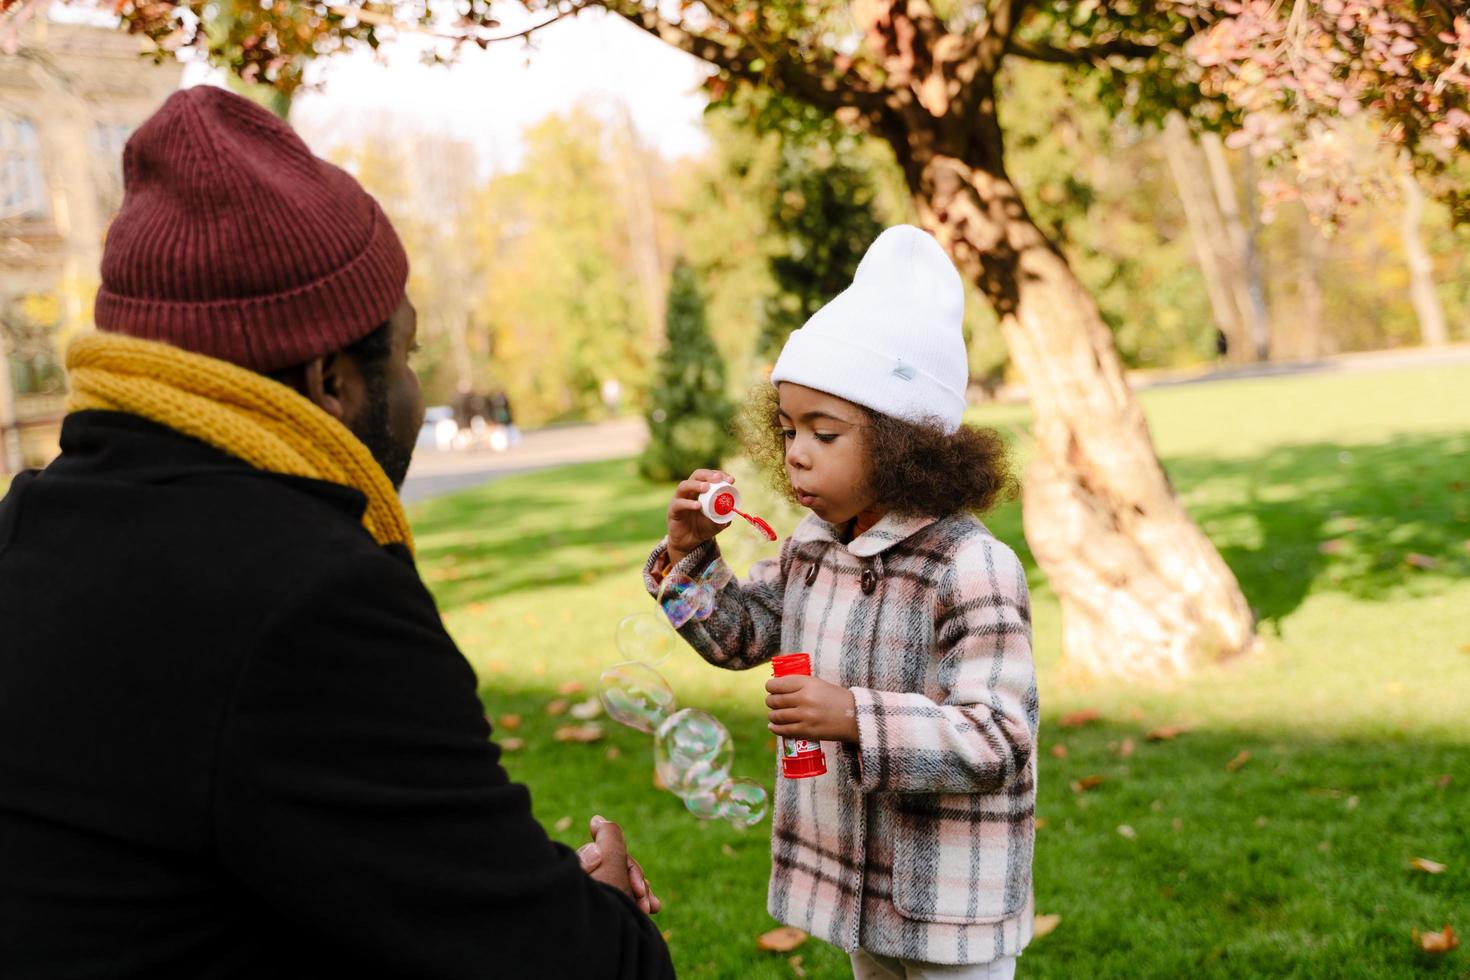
(811, 708)
(688, 527)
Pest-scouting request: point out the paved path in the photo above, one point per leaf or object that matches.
(435, 473)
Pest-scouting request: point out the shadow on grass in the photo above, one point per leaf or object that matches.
(557, 527)
(1293, 863)
(1374, 522)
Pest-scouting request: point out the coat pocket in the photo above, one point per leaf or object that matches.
(962, 858)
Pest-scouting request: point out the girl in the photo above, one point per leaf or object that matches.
(913, 853)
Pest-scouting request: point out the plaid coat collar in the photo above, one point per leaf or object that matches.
(889, 531)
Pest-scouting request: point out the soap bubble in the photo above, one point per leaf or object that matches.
(692, 752)
(646, 638)
(742, 802)
(636, 695)
(705, 804)
(685, 598)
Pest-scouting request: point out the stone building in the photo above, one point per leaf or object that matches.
(70, 94)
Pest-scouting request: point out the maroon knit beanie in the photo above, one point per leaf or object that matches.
(236, 242)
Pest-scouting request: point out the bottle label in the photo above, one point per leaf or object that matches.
(793, 747)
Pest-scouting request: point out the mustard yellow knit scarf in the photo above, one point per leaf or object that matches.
(235, 410)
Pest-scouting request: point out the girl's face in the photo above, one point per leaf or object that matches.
(827, 458)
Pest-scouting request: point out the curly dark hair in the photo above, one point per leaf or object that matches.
(915, 468)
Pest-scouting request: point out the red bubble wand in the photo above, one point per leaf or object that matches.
(721, 500)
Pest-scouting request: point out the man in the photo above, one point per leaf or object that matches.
(235, 739)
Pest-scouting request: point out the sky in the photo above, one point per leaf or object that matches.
(491, 97)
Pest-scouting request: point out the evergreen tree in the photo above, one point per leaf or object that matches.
(822, 215)
(689, 413)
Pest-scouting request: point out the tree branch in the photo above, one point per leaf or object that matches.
(1088, 54)
(380, 19)
(788, 69)
(993, 37)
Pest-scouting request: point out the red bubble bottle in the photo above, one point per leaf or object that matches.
(800, 758)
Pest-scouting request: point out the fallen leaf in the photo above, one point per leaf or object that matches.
(1126, 749)
(1086, 783)
(1044, 925)
(782, 940)
(1126, 831)
(1238, 761)
(795, 964)
(1324, 846)
(1079, 718)
(1352, 803)
(589, 732)
(497, 666)
(1427, 866)
(1262, 821)
(586, 710)
(1166, 733)
(1059, 751)
(557, 707)
(571, 687)
(613, 752)
(1177, 823)
(533, 622)
(1136, 713)
(1444, 781)
(564, 824)
(512, 744)
(1465, 647)
(509, 722)
(1436, 942)
(1331, 547)
(1041, 823)
(1415, 560)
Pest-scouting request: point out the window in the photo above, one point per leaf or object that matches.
(22, 188)
(108, 140)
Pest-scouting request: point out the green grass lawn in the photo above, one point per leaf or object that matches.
(1343, 504)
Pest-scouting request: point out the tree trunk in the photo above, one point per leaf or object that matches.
(1199, 210)
(1143, 591)
(1255, 277)
(1432, 328)
(1245, 278)
(1312, 245)
(642, 228)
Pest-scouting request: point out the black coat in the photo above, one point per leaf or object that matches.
(236, 741)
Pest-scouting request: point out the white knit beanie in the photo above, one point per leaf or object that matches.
(892, 341)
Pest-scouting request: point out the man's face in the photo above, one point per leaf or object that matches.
(827, 456)
(393, 412)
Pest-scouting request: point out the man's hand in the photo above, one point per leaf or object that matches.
(606, 859)
(811, 708)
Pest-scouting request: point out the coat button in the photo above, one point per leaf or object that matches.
(870, 581)
(811, 575)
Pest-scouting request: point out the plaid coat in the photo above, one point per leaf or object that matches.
(917, 843)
